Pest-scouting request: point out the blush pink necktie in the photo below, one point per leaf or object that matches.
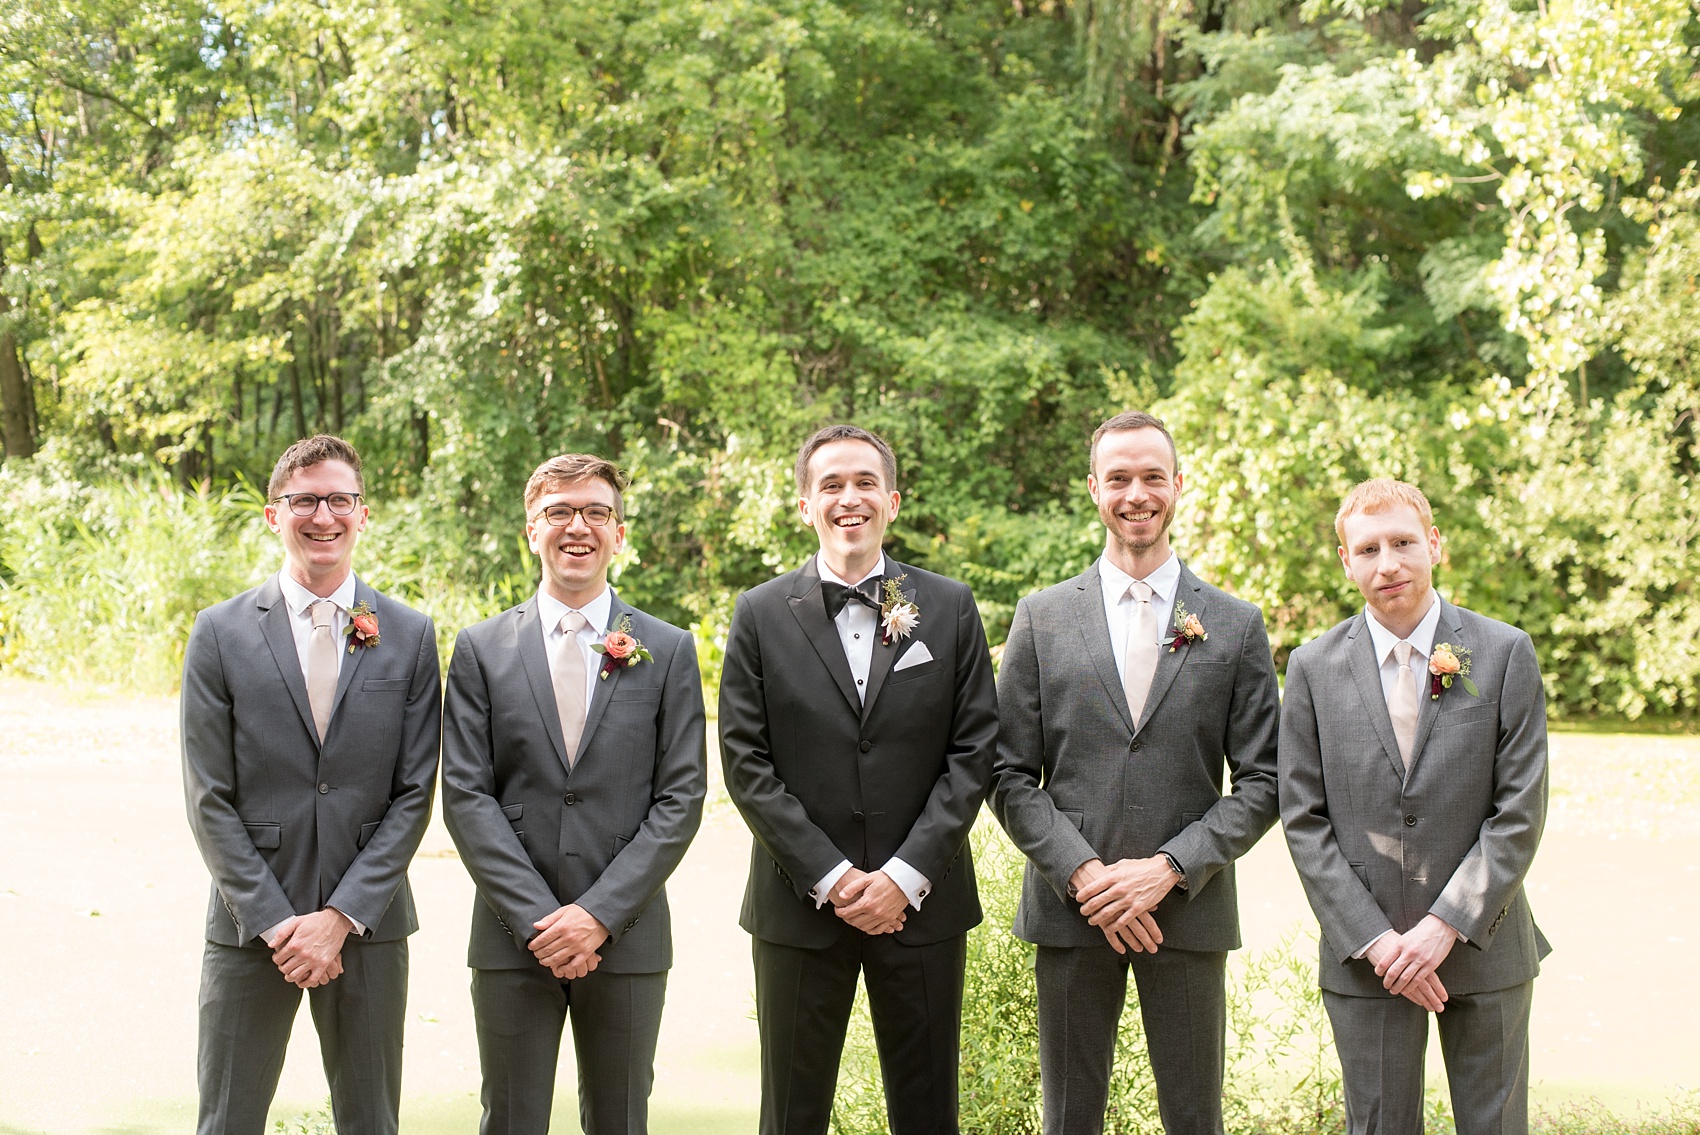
(1402, 706)
(321, 665)
(568, 677)
(1139, 664)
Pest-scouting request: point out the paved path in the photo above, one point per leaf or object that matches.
(102, 898)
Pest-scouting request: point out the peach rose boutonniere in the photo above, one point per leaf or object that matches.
(619, 647)
(362, 628)
(1188, 627)
(1445, 663)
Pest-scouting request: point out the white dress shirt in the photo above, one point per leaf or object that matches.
(1422, 645)
(1165, 582)
(858, 631)
(300, 602)
(550, 612)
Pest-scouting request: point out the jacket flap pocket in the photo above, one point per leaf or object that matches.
(385, 685)
(1073, 817)
(513, 811)
(265, 835)
(367, 831)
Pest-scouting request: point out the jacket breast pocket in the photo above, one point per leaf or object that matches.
(915, 673)
(1482, 711)
(635, 694)
(385, 685)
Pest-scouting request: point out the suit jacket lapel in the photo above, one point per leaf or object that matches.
(528, 639)
(1366, 674)
(351, 662)
(1449, 629)
(1095, 636)
(810, 612)
(604, 688)
(1169, 662)
(274, 624)
(885, 657)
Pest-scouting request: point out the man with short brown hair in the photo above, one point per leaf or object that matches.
(311, 721)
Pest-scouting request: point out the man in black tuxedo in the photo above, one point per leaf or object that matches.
(858, 725)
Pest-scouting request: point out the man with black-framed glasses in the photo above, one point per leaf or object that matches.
(311, 726)
(573, 781)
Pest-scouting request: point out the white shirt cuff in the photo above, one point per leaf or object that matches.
(914, 885)
(359, 927)
(271, 934)
(822, 889)
(1371, 942)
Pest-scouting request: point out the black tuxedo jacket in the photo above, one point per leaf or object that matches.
(822, 776)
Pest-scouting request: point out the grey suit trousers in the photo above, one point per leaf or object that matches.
(1184, 1007)
(1484, 1037)
(616, 1020)
(247, 1012)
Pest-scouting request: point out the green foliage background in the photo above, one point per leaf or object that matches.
(1454, 242)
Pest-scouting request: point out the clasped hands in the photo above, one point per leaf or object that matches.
(308, 948)
(567, 941)
(869, 901)
(1406, 962)
(1118, 898)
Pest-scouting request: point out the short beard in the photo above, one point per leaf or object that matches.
(1138, 548)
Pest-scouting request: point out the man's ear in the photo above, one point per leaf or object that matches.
(803, 507)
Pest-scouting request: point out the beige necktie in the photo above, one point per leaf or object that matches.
(1139, 663)
(1402, 706)
(568, 675)
(321, 665)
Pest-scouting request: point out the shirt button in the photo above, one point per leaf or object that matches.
(855, 636)
(324, 788)
(858, 681)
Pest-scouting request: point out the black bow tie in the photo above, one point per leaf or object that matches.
(836, 595)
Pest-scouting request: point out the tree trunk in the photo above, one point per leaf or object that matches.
(16, 427)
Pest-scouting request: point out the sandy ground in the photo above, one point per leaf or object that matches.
(102, 897)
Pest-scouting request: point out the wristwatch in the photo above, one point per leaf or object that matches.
(1175, 866)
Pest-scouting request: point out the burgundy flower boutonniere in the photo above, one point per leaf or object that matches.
(620, 648)
(1187, 628)
(1446, 663)
(362, 628)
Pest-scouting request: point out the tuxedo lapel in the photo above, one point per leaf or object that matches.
(351, 662)
(274, 624)
(884, 656)
(604, 687)
(1169, 662)
(809, 609)
(528, 640)
(1366, 675)
(1448, 630)
(1095, 636)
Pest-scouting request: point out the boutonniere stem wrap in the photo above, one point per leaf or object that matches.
(620, 647)
(898, 614)
(362, 628)
(1187, 628)
(1446, 663)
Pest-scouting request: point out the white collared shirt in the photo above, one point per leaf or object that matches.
(858, 630)
(550, 612)
(1165, 583)
(1422, 645)
(300, 600)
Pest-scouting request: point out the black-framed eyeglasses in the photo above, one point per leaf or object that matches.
(561, 515)
(306, 504)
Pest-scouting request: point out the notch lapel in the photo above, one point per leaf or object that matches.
(1095, 636)
(351, 662)
(528, 640)
(1169, 662)
(809, 609)
(604, 687)
(1366, 675)
(1448, 630)
(274, 625)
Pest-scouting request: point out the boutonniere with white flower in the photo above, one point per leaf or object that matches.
(1188, 628)
(898, 614)
(1446, 663)
(620, 647)
(362, 628)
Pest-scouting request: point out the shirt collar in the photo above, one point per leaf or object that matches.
(1164, 582)
(1421, 639)
(299, 598)
(829, 576)
(551, 610)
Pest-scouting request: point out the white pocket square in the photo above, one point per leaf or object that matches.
(916, 655)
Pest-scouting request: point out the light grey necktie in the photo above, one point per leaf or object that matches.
(568, 676)
(1139, 664)
(1402, 706)
(322, 665)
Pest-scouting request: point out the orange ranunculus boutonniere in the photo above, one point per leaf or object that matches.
(1446, 663)
(620, 648)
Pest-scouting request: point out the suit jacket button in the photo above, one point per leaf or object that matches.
(570, 798)
(324, 788)
(865, 746)
(857, 816)
(1134, 747)
(1410, 821)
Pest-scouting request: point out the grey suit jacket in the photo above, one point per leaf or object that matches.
(1076, 780)
(606, 832)
(1453, 835)
(288, 825)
